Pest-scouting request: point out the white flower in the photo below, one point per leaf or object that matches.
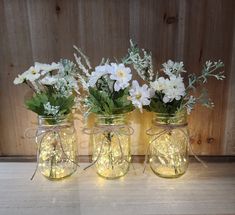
(32, 74)
(98, 73)
(173, 68)
(159, 84)
(48, 80)
(121, 75)
(174, 89)
(19, 80)
(45, 68)
(50, 109)
(139, 95)
(36, 71)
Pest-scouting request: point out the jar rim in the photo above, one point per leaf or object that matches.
(50, 120)
(176, 114)
(177, 118)
(111, 115)
(54, 117)
(110, 119)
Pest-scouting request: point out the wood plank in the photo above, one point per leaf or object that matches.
(229, 136)
(201, 191)
(45, 31)
(16, 56)
(206, 39)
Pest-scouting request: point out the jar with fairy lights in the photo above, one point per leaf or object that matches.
(57, 147)
(168, 146)
(111, 146)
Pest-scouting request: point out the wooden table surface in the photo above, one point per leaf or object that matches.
(200, 191)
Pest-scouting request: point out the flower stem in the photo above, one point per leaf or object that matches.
(53, 173)
(109, 138)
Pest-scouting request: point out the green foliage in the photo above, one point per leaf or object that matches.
(107, 103)
(37, 102)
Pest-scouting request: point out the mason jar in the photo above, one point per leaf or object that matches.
(169, 141)
(57, 147)
(111, 146)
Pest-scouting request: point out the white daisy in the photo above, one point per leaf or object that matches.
(98, 73)
(31, 74)
(48, 80)
(159, 84)
(121, 75)
(174, 89)
(140, 96)
(19, 80)
(45, 68)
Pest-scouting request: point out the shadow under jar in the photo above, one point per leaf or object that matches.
(111, 146)
(57, 147)
(169, 145)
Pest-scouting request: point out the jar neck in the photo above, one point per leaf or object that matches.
(58, 120)
(178, 118)
(117, 119)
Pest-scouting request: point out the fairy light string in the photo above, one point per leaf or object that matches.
(41, 132)
(116, 130)
(168, 128)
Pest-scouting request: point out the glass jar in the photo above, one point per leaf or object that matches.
(111, 146)
(57, 147)
(169, 145)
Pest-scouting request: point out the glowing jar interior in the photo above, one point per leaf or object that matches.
(111, 147)
(57, 148)
(169, 151)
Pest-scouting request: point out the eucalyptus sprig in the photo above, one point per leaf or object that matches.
(210, 69)
(141, 61)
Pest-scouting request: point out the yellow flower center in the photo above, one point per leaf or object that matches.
(138, 96)
(33, 71)
(121, 73)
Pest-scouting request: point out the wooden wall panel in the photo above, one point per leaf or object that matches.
(229, 135)
(188, 30)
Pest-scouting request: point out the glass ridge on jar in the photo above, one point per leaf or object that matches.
(57, 147)
(169, 145)
(111, 146)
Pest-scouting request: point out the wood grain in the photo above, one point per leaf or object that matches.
(193, 31)
(229, 136)
(201, 191)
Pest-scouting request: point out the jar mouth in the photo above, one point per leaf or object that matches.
(176, 114)
(110, 116)
(113, 119)
(176, 118)
(52, 120)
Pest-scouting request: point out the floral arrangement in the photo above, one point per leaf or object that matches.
(169, 93)
(108, 88)
(54, 85)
